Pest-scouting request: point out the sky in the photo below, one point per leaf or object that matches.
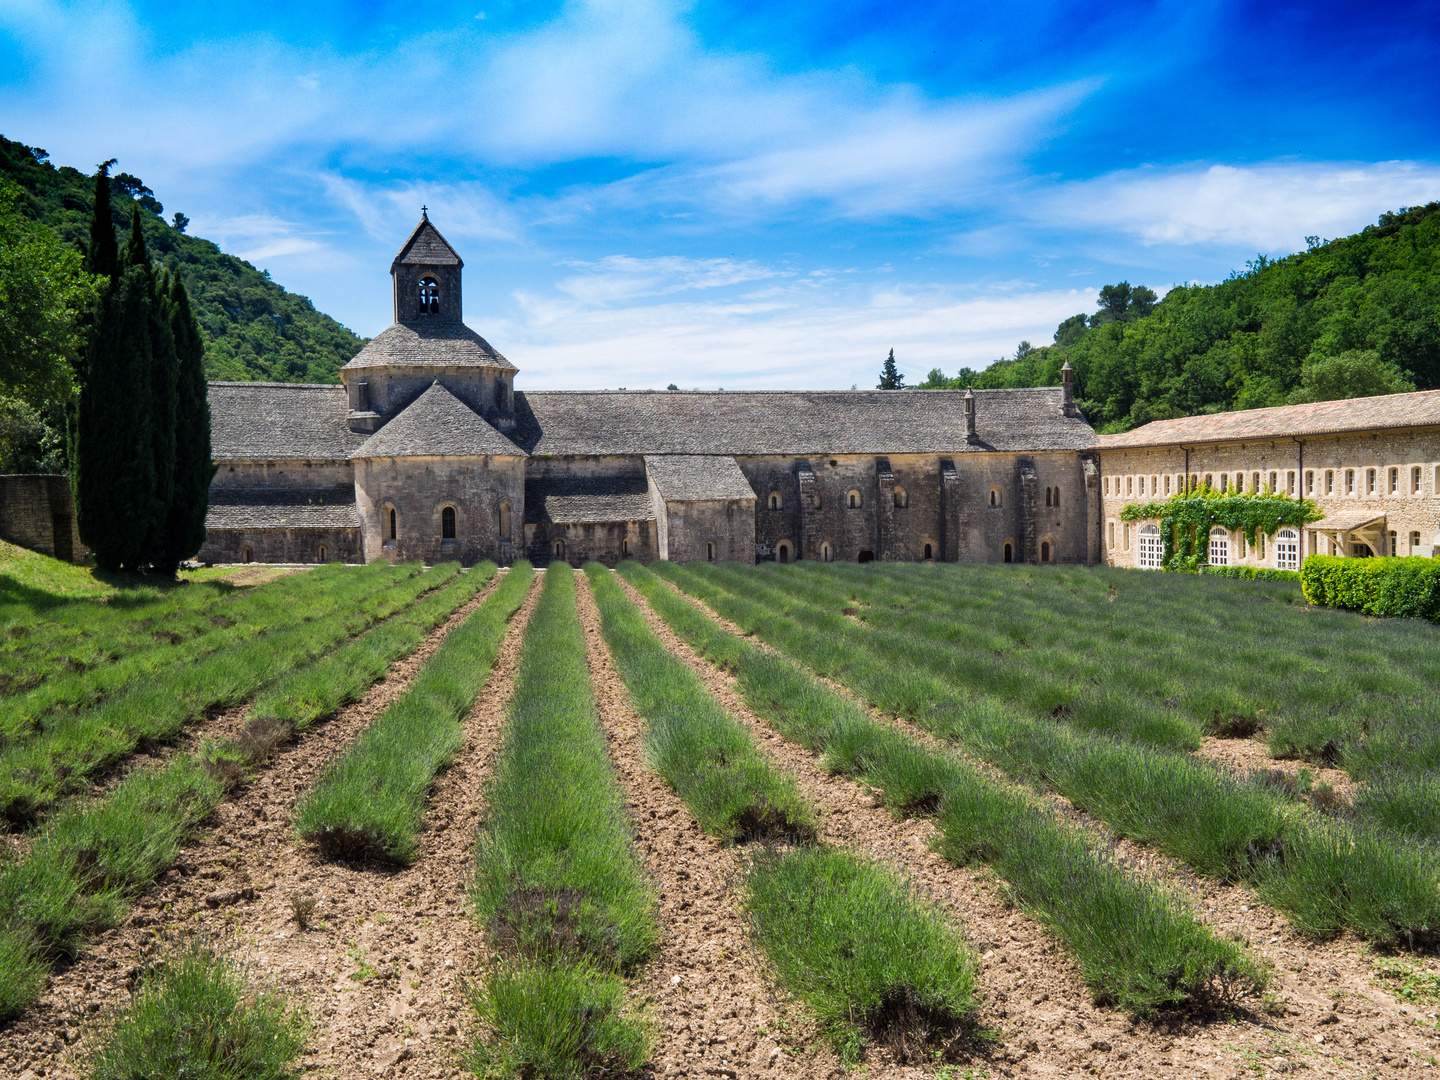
(743, 195)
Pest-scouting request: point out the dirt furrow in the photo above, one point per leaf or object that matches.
(379, 962)
(1338, 1019)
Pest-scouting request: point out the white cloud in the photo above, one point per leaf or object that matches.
(783, 338)
(622, 277)
(1269, 207)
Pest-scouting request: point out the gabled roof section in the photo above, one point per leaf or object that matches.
(794, 422)
(256, 421)
(427, 344)
(437, 424)
(426, 247)
(1421, 409)
(697, 478)
(282, 508)
(580, 500)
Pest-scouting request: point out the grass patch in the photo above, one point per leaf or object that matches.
(1223, 824)
(368, 804)
(1137, 945)
(703, 752)
(197, 1016)
(850, 939)
(557, 880)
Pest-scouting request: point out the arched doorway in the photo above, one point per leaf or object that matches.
(867, 556)
(929, 553)
(1044, 551)
(1009, 552)
(782, 551)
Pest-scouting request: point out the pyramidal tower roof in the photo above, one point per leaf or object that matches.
(426, 247)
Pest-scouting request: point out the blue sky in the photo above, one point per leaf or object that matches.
(747, 195)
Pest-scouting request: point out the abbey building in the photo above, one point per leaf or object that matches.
(429, 451)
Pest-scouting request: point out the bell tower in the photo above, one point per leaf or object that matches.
(426, 277)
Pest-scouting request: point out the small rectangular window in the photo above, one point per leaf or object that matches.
(1329, 481)
(1107, 490)
(1274, 483)
(1142, 485)
(1255, 484)
(1394, 481)
(1129, 485)
(1349, 481)
(1154, 485)
(1369, 481)
(1112, 536)
(1414, 542)
(1314, 543)
(1309, 482)
(1167, 485)
(1394, 548)
(1239, 481)
(1290, 483)
(1435, 489)
(1415, 480)
(1224, 482)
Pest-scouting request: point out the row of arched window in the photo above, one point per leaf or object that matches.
(449, 524)
(1222, 547)
(1365, 482)
(853, 500)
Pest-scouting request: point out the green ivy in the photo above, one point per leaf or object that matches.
(1186, 517)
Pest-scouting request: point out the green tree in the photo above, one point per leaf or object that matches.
(890, 377)
(185, 532)
(43, 293)
(103, 254)
(1354, 373)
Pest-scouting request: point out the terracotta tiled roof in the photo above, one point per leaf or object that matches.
(689, 478)
(437, 424)
(770, 422)
(1320, 418)
(279, 422)
(428, 344)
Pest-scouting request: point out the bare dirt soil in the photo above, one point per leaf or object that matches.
(1337, 1017)
(380, 964)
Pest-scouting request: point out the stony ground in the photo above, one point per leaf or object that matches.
(380, 956)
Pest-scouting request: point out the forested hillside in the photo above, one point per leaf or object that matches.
(253, 328)
(1349, 317)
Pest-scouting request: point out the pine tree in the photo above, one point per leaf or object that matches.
(890, 378)
(185, 532)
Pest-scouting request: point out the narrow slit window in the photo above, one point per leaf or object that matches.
(393, 532)
(447, 523)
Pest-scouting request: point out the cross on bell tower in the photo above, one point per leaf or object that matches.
(426, 276)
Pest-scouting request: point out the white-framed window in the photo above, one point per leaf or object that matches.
(1224, 482)
(1287, 549)
(1112, 535)
(1274, 483)
(1394, 544)
(1219, 547)
(1309, 481)
(1107, 485)
(1349, 481)
(1290, 482)
(1415, 475)
(1414, 542)
(1369, 481)
(1126, 544)
(1255, 483)
(1150, 547)
(1394, 480)
(1129, 485)
(1209, 481)
(1329, 481)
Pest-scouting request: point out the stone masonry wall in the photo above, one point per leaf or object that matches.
(281, 546)
(419, 489)
(36, 512)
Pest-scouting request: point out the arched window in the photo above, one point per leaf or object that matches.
(1009, 552)
(782, 551)
(1150, 547)
(429, 296)
(1047, 496)
(393, 532)
(1044, 550)
(247, 555)
(994, 496)
(321, 555)
(1219, 547)
(1287, 549)
(447, 524)
(503, 514)
(827, 553)
(558, 549)
(902, 499)
(930, 552)
(852, 499)
(1057, 494)
(710, 550)
(625, 547)
(775, 501)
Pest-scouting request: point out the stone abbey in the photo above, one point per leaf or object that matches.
(429, 451)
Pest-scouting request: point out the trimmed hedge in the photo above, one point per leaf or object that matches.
(1405, 586)
(1250, 573)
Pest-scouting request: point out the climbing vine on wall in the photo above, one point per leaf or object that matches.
(1187, 518)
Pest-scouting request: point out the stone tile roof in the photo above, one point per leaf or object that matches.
(818, 422)
(428, 344)
(437, 424)
(691, 478)
(282, 508)
(577, 500)
(1347, 520)
(426, 247)
(256, 421)
(1320, 418)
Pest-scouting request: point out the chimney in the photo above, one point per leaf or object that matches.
(1067, 391)
(970, 436)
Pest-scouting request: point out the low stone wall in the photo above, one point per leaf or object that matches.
(281, 546)
(36, 512)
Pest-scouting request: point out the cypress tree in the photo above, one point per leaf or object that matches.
(160, 385)
(103, 254)
(194, 470)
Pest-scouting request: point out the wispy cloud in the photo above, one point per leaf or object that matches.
(621, 277)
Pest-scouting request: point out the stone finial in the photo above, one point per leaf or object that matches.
(1067, 390)
(970, 435)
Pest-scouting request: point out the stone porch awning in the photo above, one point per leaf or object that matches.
(1362, 526)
